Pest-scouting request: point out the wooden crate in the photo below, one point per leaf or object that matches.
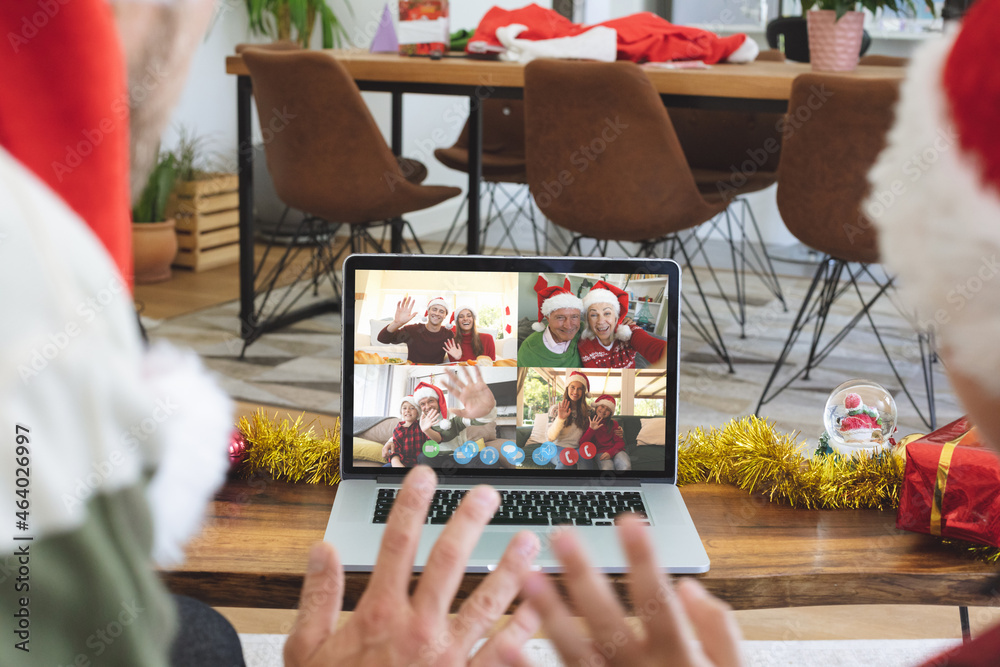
(208, 218)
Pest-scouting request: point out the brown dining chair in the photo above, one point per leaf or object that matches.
(822, 182)
(732, 154)
(328, 159)
(504, 178)
(603, 162)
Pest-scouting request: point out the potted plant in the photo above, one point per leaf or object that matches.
(836, 28)
(154, 243)
(278, 18)
(205, 207)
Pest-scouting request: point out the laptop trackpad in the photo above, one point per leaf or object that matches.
(491, 547)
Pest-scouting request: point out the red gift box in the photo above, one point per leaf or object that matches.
(423, 27)
(951, 486)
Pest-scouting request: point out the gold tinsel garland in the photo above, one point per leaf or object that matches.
(746, 452)
(750, 454)
(290, 450)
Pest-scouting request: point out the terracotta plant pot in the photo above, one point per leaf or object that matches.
(834, 46)
(154, 246)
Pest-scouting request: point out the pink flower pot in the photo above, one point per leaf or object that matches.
(834, 45)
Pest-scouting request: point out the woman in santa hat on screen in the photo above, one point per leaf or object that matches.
(570, 418)
(610, 339)
(468, 343)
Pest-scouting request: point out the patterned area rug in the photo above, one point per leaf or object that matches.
(299, 367)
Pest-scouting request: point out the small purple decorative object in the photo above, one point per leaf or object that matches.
(385, 40)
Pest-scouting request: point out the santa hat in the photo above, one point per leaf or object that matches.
(436, 301)
(459, 308)
(553, 297)
(605, 292)
(935, 195)
(426, 390)
(606, 399)
(411, 400)
(577, 376)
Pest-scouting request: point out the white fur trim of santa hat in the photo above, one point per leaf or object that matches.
(746, 53)
(937, 223)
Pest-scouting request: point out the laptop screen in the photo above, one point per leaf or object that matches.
(510, 366)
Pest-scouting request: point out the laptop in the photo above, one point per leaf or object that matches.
(533, 355)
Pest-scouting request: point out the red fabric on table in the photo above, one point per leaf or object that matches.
(970, 505)
(980, 652)
(643, 37)
(65, 111)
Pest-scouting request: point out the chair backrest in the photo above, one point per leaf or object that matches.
(602, 156)
(796, 37)
(835, 128)
(877, 60)
(325, 153)
(722, 140)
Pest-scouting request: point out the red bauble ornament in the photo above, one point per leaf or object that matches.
(237, 449)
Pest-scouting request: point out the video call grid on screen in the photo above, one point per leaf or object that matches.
(498, 296)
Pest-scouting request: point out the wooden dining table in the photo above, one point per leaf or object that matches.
(253, 549)
(756, 86)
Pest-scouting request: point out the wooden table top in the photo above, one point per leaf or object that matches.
(756, 80)
(253, 551)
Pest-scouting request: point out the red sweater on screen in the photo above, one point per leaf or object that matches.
(64, 112)
(489, 348)
(604, 438)
(622, 353)
(422, 345)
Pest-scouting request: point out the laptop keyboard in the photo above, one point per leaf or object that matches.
(532, 508)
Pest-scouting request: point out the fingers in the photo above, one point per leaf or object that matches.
(714, 623)
(492, 597)
(446, 564)
(319, 605)
(652, 593)
(591, 593)
(504, 648)
(394, 564)
(574, 647)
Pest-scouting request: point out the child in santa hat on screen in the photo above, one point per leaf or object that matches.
(407, 438)
(606, 436)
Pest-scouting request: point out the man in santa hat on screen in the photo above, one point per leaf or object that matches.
(553, 344)
(425, 341)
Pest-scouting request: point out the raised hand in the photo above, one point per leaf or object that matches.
(628, 321)
(468, 386)
(564, 409)
(453, 349)
(391, 627)
(404, 313)
(595, 422)
(674, 620)
(429, 419)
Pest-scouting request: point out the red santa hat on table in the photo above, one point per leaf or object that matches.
(935, 195)
(605, 292)
(427, 390)
(553, 297)
(577, 376)
(606, 400)
(459, 308)
(436, 301)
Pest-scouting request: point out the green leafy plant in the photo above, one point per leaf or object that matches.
(277, 18)
(844, 6)
(152, 203)
(191, 154)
